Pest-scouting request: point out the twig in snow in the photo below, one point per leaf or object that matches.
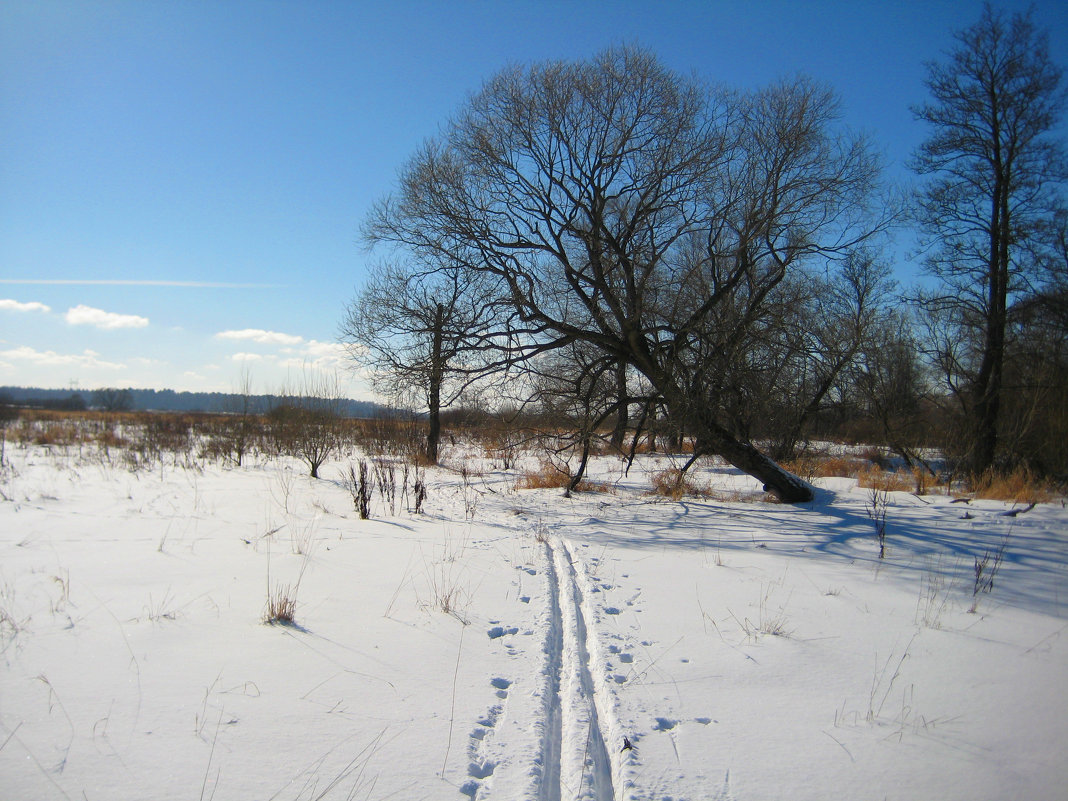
(452, 709)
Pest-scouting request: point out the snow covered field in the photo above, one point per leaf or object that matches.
(507, 644)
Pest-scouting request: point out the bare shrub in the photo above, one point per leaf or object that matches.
(310, 433)
(418, 490)
(391, 436)
(878, 502)
(471, 494)
(922, 479)
(361, 487)
(167, 432)
(986, 569)
(386, 478)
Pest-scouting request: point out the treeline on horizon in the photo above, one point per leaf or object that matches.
(169, 400)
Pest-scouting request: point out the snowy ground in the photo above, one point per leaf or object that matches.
(745, 650)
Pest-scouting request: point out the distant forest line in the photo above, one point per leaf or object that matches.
(168, 400)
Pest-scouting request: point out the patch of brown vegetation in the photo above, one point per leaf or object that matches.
(674, 484)
(1020, 485)
(886, 480)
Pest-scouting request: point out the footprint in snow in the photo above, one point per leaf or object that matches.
(626, 658)
(499, 631)
(491, 717)
(480, 770)
(665, 724)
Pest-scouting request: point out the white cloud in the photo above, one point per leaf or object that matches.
(87, 315)
(6, 304)
(326, 349)
(246, 357)
(86, 358)
(261, 336)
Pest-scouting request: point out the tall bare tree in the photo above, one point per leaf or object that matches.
(422, 330)
(993, 166)
(624, 206)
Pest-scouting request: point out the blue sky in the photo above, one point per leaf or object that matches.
(182, 183)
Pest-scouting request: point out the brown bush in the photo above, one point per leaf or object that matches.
(810, 467)
(886, 480)
(547, 476)
(1016, 486)
(673, 483)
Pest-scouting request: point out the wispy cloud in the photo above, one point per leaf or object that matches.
(132, 282)
(87, 358)
(7, 304)
(87, 315)
(261, 336)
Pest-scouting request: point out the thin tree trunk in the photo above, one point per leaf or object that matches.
(434, 387)
(988, 382)
(619, 433)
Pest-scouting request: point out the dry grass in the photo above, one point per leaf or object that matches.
(596, 486)
(281, 606)
(547, 476)
(886, 480)
(810, 467)
(673, 483)
(1018, 486)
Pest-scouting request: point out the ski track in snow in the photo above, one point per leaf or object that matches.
(574, 758)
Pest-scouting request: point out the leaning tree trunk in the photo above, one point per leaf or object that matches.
(713, 438)
(780, 482)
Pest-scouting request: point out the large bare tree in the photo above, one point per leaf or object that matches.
(626, 207)
(993, 166)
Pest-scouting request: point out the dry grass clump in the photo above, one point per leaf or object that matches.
(810, 467)
(110, 438)
(673, 483)
(1017, 486)
(550, 476)
(596, 486)
(281, 606)
(49, 432)
(547, 476)
(886, 480)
